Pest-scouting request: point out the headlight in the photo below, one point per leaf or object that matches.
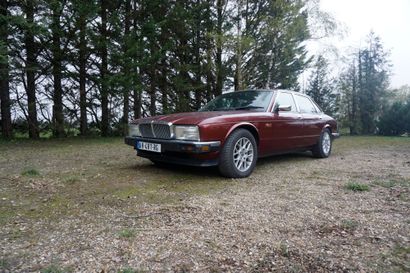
(186, 132)
(134, 130)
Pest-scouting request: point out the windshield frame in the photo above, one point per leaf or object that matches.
(251, 107)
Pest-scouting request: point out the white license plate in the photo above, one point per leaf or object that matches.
(147, 146)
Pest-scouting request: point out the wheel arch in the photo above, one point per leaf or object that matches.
(245, 125)
(328, 127)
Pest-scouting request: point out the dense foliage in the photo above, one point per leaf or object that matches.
(395, 119)
(363, 85)
(93, 65)
(322, 88)
(88, 67)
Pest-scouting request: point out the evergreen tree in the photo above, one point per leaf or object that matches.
(31, 65)
(363, 87)
(373, 82)
(5, 103)
(321, 87)
(349, 103)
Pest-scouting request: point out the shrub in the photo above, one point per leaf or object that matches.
(357, 186)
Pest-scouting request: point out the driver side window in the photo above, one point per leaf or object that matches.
(285, 99)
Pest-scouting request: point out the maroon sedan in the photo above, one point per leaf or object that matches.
(234, 130)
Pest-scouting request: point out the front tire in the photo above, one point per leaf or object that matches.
(324, 146)
(239, 154)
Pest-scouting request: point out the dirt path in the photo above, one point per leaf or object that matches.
(91, 206)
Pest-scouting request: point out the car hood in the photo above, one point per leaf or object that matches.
(195, 118)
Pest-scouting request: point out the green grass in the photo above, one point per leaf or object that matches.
(349, 224)
(366, 142)
(399, 182)
(126, 233)
(71, 179)
(4, 264)
(30, 172)
(357, 187)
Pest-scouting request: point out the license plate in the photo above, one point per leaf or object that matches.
(147, 146)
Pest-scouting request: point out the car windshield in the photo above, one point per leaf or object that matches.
(241, 100)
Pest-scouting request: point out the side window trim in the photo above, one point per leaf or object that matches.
(311, 101)
(296, 103)
(318, 109)
(293, 98)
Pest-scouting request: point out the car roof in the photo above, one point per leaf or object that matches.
(273, 90)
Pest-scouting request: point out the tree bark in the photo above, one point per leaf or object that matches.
(82, 76)
(126, 68)
(197, 57)
(153, 99)
(136, 79)
(6, 126)
(219, 72)
(58, 117)
(104, 70)
(31, 64)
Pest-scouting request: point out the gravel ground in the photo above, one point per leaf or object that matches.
(91, 206)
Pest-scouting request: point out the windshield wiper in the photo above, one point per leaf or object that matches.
(249, 107)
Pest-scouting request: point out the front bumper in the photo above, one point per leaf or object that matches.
(335, 135)
(192, 153)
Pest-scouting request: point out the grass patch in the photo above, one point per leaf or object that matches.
(4, 264)
(358, 187)
(349, 224)
(30, 172)
(284, 249)
(366, 142)
(397, 260)
(392, 183)
(71, 180)
(126, 233)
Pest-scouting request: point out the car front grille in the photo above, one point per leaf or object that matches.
(155, 130)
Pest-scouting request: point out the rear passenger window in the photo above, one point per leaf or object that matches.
(305, 105)
(285, 99)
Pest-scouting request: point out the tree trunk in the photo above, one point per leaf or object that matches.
(197, 57)
(126, 68)
(164, 87)
(58, 117)
(136, 79)
(82, 76)
(104, 71)
(218, 62)
(153, 99)
(238, 57)
(31, 64)
(4, 76)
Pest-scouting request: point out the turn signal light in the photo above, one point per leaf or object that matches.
(205, 148)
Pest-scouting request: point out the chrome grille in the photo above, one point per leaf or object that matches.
(146, 130)
(155, 130)
(162, 130)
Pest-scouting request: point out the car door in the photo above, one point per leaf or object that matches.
(312, 120)
(286, 128)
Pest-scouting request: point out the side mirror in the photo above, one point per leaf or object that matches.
(284, 108)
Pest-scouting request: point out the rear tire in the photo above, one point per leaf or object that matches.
(239, 154)
(324, 146)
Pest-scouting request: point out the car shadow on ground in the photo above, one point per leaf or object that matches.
(284, 158)
(212, 172)
(174, 169)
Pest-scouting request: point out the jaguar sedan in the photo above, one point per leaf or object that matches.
(234, 130)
